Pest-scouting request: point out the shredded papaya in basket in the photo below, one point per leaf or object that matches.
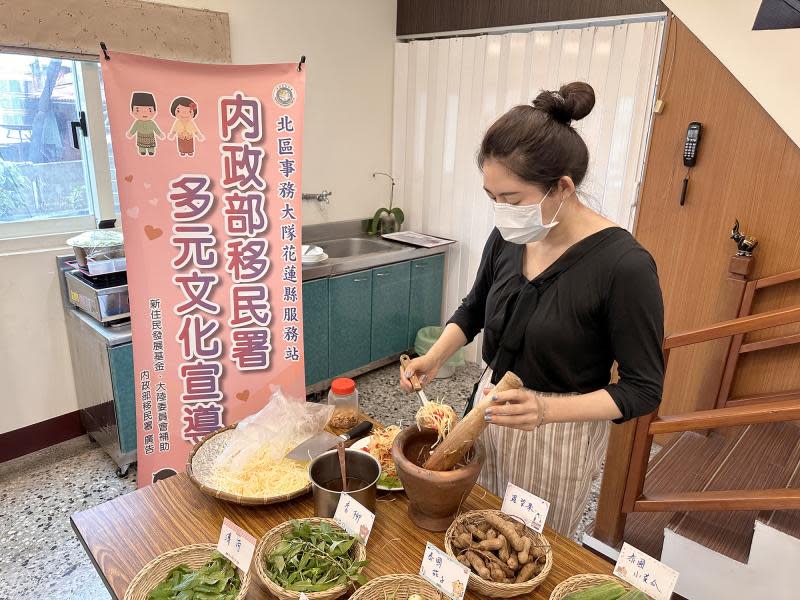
(263, 476)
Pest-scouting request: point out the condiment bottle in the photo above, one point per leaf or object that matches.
(344, 397)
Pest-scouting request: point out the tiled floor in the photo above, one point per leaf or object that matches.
(40, 557)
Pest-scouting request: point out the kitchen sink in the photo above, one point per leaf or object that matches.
(355, 246)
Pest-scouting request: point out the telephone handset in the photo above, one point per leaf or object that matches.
(691, 143)
(690, 154)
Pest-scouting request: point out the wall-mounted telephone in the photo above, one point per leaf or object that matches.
(690, 145)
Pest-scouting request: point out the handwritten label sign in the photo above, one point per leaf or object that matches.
(446, 574)
(354, 518)
(652, 577)
(526, 506)
(303, 596)
(236, 544)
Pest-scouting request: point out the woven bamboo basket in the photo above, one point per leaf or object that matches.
(396, 587)
(273, 537)
(201, 461)
(490, 588)
(578, 583)
(154, 572)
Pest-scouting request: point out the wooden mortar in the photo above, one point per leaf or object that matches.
(458, 442)
(434, 497)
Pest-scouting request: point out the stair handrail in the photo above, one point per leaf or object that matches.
(740, 325)
(698, 420)
(743, 292)
(630, 443)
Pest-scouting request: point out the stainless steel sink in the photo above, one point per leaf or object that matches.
(355, 246)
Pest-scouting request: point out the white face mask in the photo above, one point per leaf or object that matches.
(522, 224)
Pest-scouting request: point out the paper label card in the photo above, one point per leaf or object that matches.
(531, 509)
(446, 574)
(303, 596)
(236, 545)
(652, 577)
(354, 518)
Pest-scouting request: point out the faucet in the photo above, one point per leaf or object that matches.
(323, 196)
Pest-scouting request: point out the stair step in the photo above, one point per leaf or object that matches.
(685, 463)
(765, 456)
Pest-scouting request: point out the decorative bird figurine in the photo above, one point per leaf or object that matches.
(745, 243)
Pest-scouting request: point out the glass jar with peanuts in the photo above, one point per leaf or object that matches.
(344, 397)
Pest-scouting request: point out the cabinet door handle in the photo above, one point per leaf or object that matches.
(381, 274)
(357, 279)
(418, 266)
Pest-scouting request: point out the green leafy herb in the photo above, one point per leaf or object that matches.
(389, 482)
(314, 558)
(218, 579)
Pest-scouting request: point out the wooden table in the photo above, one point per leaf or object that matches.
(122, 535)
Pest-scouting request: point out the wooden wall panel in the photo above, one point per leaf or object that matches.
(432, 16)
(747, 168)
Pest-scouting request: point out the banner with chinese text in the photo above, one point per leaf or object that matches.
(208, 162)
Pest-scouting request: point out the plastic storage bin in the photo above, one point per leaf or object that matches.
(426, 337)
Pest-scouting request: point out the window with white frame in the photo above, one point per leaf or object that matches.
(48, 182)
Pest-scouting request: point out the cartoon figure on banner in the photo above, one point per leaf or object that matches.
(184, 128)
(145, 128)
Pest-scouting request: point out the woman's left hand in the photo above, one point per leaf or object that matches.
(518, 409)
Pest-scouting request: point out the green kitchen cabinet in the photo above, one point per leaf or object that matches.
(120, 360)
(315, 330)
(390, 302)
(350, 310)
(427, 280)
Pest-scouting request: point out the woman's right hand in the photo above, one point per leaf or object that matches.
(424, 367)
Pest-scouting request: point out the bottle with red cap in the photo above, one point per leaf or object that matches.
(344, 397)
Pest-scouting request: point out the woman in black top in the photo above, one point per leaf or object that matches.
(561, 294)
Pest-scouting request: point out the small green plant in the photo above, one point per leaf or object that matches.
(387, 220)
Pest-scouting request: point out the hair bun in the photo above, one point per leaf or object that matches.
(572, 102)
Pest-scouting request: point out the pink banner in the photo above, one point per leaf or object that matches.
(208, 170)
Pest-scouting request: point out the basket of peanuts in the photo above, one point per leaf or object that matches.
(505, 557)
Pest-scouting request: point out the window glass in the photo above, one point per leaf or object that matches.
(42, 176)
(111, 164)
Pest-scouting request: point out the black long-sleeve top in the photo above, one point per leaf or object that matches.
(605, 307)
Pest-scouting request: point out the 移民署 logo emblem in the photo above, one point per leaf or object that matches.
(283, 95)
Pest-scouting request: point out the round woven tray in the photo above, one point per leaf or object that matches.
(396, 587)
(154, 572)
(201, 462)
(578, 583)
(273, 537)
(491, 588)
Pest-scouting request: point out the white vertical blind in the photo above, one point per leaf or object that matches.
(448, 91)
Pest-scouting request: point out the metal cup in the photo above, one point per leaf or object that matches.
(325, 469)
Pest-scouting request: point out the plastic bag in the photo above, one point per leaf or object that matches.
(97, 245)
(278, 427)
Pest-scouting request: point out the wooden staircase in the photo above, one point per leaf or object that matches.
(720, 501)
(752, 457)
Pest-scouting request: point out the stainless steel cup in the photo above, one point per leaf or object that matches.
(325, 468)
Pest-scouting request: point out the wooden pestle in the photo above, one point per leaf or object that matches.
(458, 442)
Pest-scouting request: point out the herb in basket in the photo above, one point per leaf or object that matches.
(215, 580)
(314, 558)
